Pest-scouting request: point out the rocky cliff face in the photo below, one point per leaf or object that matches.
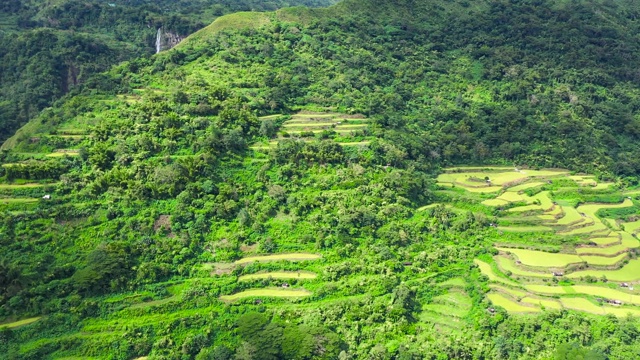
(167, 40)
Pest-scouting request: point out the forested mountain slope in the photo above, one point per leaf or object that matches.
(266, 189)
(48, 47)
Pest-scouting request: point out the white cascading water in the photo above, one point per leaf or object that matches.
(159, 40)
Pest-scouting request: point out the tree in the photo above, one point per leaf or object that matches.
(573, 351)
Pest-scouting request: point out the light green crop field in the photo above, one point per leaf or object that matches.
(525, 186)
(613, 223)
(279, 275)
(359, 143)
(293, 124)
(628, 240)
(482, 190)
(19, 323)
(630, 272)
(510, 196)
(604, 241)
(510, 305)
(581, 304)
(543, 259)
(497, 178)
(65, 153)
(543, 198)
(289, 257)
(595, 227)
(591, 209)
(507, 264)
(266, 293)
(17, 200)
(602, 186)
(269, 117)
(608, 293)
(602, 251)
(154, 303)
(582, 179)
(632, 227)
(525, 229)
(488, 168)
(22, 186)
(546, 289)
(604, 261)
(486, 270)
(513, 292)
(548, 304)
(495, 202)
(621, 311)
(571, 216)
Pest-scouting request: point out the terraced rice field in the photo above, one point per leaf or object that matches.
(592, 209)
(63, 153)
(545, 203)
(632, 227)
(7, 201)
(543, 259)
(510, 291)
(628, 273)
(19, 323)
(606, 241)
(486, 270)
(277, 257)
(546, 289)
(603, 260)
(507, 264)
(608, 245)
(22, 186)
(548, 304)
(510, 305)
(453, 303)
(571, 216)
(525, 229)
(279, 275)
(275, 293)
(602, 251)
(582, 304)
(525, 186)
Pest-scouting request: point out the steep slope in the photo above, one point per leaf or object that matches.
(266, 189)
(49, 47)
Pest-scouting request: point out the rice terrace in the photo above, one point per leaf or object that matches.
(567, 241)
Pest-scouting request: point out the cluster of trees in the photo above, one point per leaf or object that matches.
(166, 185)
(53, 47)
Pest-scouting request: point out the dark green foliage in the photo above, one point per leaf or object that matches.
(574, 351)
(131, 254)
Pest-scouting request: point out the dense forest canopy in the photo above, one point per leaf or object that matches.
(267, 188)
(48, 47)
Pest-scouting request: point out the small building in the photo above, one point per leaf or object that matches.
(407, 263)
(258, 302)
(518, 262)
(617, 302)
(557, 273)
(624, 285)
(47, 197)
(285, 285)
(491, 310)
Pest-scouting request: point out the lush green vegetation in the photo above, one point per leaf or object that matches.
(49, 47)
(142, 213)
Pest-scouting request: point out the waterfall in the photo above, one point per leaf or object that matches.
(159, 40)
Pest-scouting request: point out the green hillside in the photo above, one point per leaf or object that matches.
(374, 180)
(49, 47)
